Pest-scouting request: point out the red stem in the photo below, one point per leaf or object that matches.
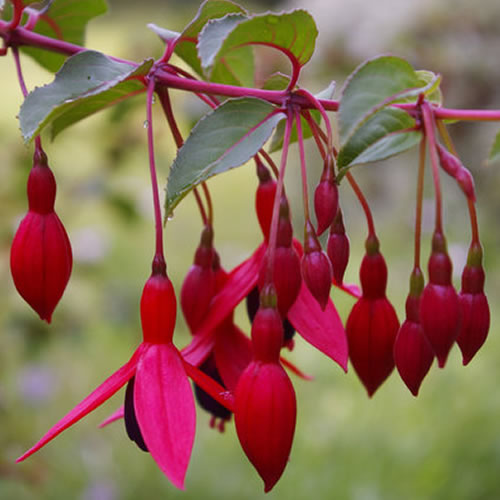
(420, 195)
(17, 14)
(270, 162)
(152, 169)
(429, 131)
(317, 132)
(364, 204)
(300, 137)
(20, 77)
(273, 233)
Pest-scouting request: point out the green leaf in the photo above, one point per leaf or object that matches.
(87, 82)
(277, 140)
(373, 85)
(64, 20)
(364, 116)
(379, 138)
(433, 93)
(186, 44)
(494, 155)
(277, 81)
(165, 34)
(293, 33)
(225, 138)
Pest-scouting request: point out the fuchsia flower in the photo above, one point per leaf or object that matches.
(265, 406)
(412, 352)
(326, 196)
(338, 248)
(372, 324)
(163, 404)
(475, 308)
(440, 311)
(40, 256)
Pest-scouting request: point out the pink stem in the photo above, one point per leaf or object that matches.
(277, 199)
(152, 169)
(427, 114)
(305, 194)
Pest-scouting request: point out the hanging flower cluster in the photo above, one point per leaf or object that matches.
(285, 283)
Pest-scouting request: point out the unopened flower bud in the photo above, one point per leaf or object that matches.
(198, 288)
(338, 248)
(264, 199)
(413, 354)
(475, 308)
(440, 310)
(326, 197)
(41, 257)
(316, 268)
(454, 167)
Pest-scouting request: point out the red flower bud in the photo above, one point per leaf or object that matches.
(198, 288)
(475, 308)
(371, 330)
(372, 324)
(326, 196)
(412, 352)
(454, 167)
(286, 274)
(373, 272)
(267, 333)
(41, 257)
(338, 248)
(265, 414)
(316, 268)
(264, 199)
(158, 306)
(440, 310)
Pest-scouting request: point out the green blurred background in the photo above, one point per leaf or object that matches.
(443, 445)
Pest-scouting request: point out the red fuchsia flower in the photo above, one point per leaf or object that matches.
(224, 358)
(199, 285)
(372, 324)
(264, 198)
(265, 405)
(159, 396)
(338, 248)
(326, 196)
(316, 267)
(440, 310)
(286, 273)
(475, 308)
(412, 352)
(40, 256)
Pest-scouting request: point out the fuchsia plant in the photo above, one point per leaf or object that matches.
(385, 107)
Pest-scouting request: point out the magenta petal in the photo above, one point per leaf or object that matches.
(199, 348)
(349, 288)
(322, 329)
(237, 286)
(116, 415)
(91, 402)
(233, 353)
(164, 407)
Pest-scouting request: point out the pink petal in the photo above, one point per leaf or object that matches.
(294, 369)
(116, 415)
(199, 348)
(91, 402)
(233, 352)
(238, 285)
(164, 407)
(322, 329)
(349, 288)
(210, 386)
